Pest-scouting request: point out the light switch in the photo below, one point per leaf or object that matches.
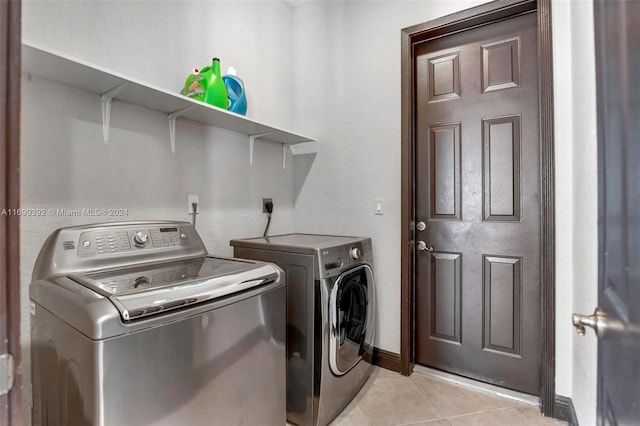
(378, 206)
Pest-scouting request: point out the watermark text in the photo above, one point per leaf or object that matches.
(60, 212)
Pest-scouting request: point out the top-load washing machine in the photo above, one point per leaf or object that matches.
(134, 324)
(330, 318)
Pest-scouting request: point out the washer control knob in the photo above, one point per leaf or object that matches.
(140, 239)
(355, 253)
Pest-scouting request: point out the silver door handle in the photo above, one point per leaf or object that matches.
(599, 321)
(422, 246)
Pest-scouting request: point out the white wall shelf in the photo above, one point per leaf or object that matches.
(110, 85)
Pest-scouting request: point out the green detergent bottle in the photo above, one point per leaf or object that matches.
(207, 86)
(196, 86)
(216, 93)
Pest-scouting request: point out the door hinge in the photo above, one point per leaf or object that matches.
(6, 373)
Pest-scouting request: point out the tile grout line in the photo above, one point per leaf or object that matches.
(515, 406)
(425, 421)
(489, 411)
(402, 378)
(428, 399)
(362, 412)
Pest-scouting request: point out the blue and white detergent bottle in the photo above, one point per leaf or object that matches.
(235, 92)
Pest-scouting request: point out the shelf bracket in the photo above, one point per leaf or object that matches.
(172, 126)
(252, 142)
(285, 148)
(106, 99)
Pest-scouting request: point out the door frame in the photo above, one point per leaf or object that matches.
(464, 20)
(10, 24)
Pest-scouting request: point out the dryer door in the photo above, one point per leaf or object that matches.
(351, 307)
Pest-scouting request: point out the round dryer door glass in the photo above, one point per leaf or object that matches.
(351, 306)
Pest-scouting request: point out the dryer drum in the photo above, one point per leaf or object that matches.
(350, 305)
(352, 310)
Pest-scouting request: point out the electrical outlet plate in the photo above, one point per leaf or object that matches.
(378, 206)
(264, 204)
(193, 199)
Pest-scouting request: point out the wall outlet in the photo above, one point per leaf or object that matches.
(193, 199)
(264, 204)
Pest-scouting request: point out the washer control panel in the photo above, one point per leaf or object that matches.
(116, 245)
(95, 243)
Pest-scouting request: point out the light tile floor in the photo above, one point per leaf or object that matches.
(389, 399)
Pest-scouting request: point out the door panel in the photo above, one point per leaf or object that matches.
(444, 191)
(445, 297)
(501, 165)
(445, 81)
(501, 65)
(502, 304)
(618, 73)
(477, 189)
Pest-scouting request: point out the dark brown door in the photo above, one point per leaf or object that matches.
(477, 192)
(618, 74)
(11, 401)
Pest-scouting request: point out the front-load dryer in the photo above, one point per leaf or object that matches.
(330, 318)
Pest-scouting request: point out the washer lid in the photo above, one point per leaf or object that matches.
(146, 290)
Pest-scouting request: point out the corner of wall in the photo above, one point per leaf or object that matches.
(577, 201)
(585, 209)
(563, 133)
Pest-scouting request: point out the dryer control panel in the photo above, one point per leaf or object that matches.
(333, 260)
